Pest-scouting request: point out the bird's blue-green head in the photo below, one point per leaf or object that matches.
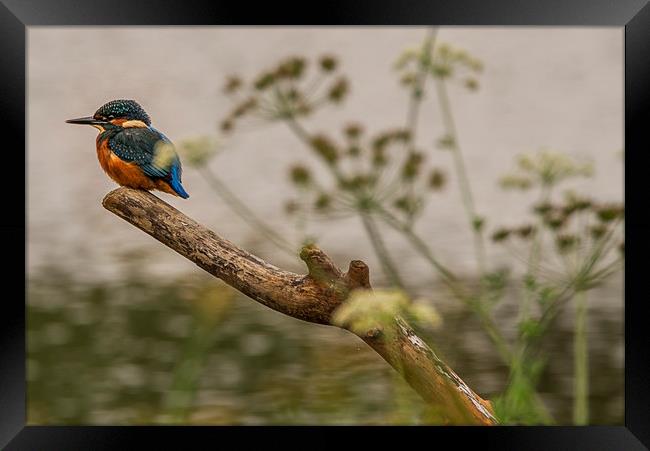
(116, 113)
(128, 110)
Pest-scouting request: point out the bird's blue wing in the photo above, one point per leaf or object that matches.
(152, 151)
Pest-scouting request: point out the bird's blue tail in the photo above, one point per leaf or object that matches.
(175, 183)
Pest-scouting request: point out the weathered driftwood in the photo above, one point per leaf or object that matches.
(312, 297)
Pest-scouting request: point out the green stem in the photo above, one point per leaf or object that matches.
(380, 250)
(503, 348)
(415, 100)
(532, 271)
(244, 212)
(413, 111)
(299, 131)
(581, 362)
(536, 247)
(461, 173)
(419, 245)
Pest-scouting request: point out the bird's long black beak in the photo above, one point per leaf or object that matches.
(89, 120)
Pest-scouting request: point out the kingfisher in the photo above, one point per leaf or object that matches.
(131, 151)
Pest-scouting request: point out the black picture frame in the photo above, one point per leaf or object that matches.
(17, 15)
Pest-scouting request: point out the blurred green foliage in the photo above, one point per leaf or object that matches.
(137, 351)
(193, 351)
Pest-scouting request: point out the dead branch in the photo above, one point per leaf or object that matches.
(312, 297)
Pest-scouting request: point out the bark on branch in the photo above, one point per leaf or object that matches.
(312, 297)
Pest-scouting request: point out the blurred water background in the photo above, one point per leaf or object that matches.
(121, 330)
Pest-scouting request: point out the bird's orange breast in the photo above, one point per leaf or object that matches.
(127, 174)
